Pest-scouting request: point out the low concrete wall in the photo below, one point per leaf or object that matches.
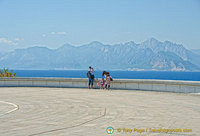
(131, 84)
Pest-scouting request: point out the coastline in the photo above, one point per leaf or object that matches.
(157, 75)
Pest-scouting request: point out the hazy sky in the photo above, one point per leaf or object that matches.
(51, 23)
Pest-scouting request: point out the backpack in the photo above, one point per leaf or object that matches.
(111, 79)
(88, 74)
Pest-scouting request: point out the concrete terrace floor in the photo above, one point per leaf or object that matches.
(27, 111)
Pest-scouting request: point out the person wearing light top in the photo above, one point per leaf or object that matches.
(107, 83)
(108, 78)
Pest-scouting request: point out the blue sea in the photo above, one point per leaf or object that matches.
(161, 75)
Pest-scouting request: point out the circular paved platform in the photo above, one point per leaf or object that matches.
(83, 112)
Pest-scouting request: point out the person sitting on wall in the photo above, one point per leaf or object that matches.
(90, 75)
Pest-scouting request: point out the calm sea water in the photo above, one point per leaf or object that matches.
(190, 76)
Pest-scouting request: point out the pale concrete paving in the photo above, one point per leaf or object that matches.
(84, 112)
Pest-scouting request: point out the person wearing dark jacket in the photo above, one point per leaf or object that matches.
(90, 77)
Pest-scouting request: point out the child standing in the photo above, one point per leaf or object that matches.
(101, 83)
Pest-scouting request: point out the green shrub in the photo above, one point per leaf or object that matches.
(6, 73)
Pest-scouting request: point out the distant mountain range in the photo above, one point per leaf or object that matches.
(148, 55)
(196, 51)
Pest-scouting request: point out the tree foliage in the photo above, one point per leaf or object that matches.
(6, 73)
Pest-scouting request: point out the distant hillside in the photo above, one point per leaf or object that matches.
(197, 51)
(149, 55)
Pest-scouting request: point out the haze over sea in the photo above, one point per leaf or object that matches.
(160, 75)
